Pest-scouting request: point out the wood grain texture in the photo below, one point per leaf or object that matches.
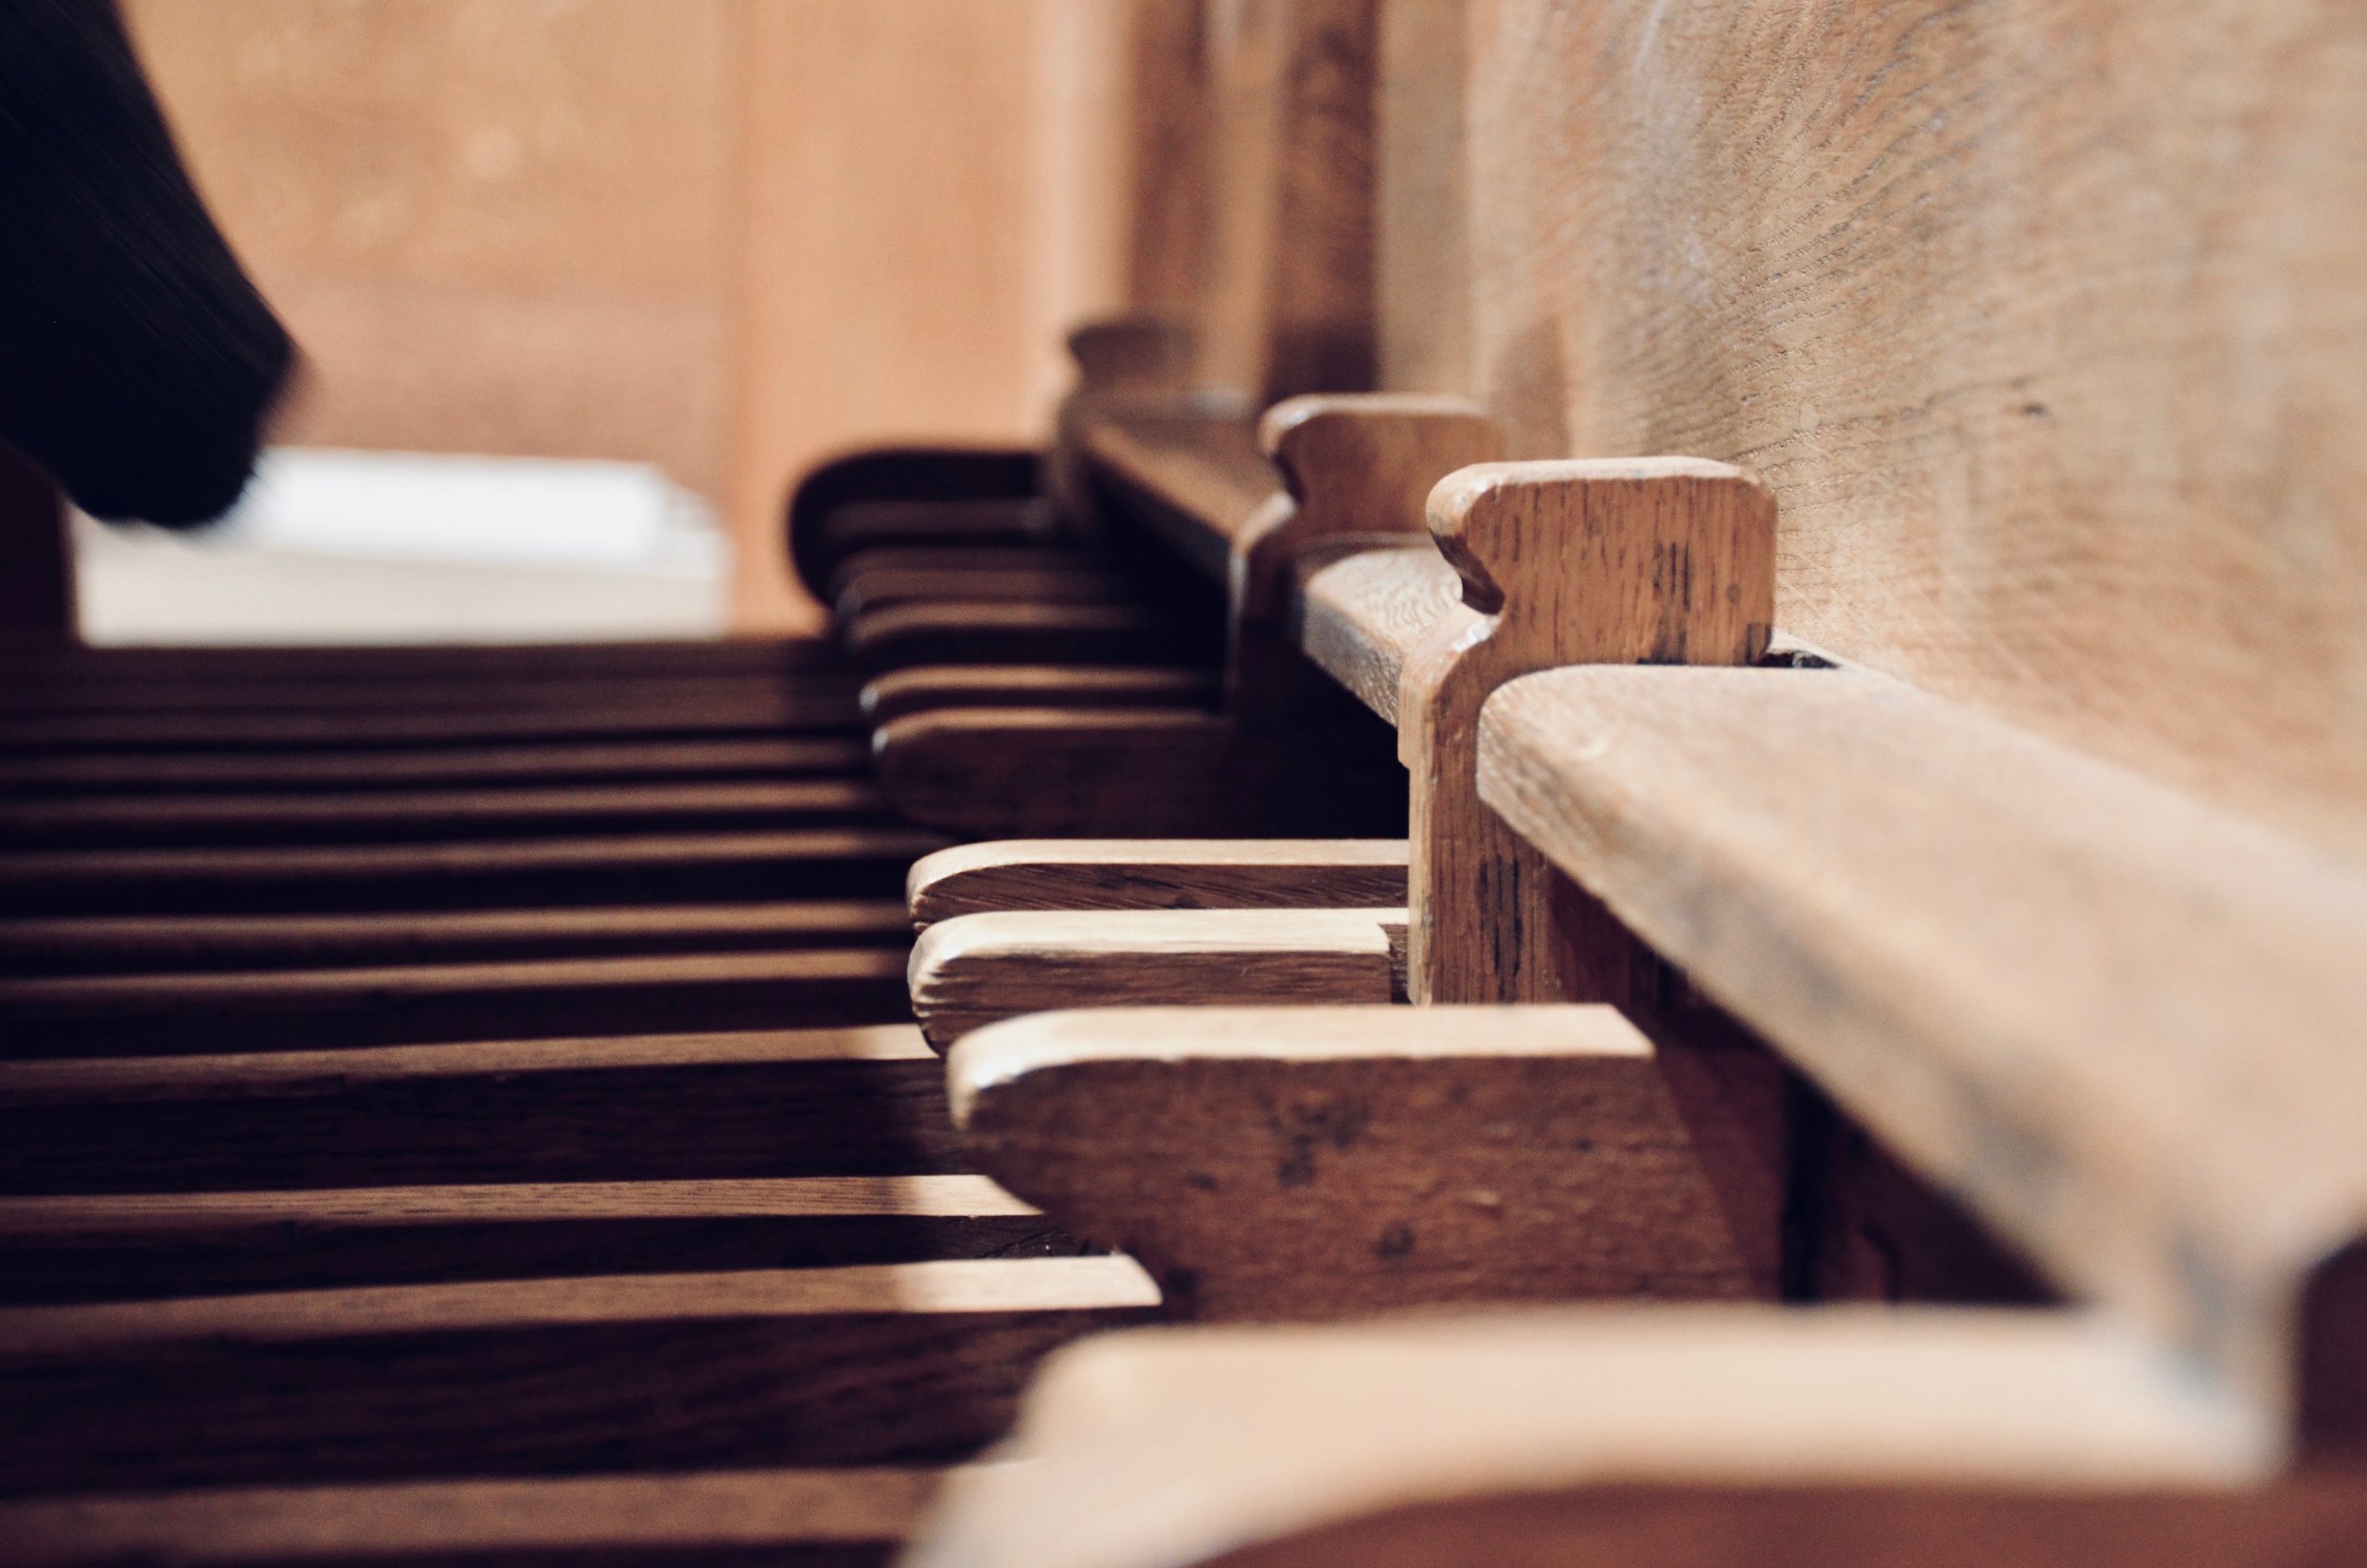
(1097, 773)
(2119, 1022)
(392, 816)
(924, 687)
(780, 1512)
(868, 1364)
(784, 1102)
(975, 970)
(817, 708)
(1657, 561)
(548, 763)
(146, 1246)
(1021, 874)
(1286, 1162)
(1354, 463)
(372, 661)
(1358, 468)
(687, 867)
(1422, 223)
(391, 1004)
(2039, 320)
(1360, 614)
(1607, 1436)
(151, 944)
(1285, 303)
(197, 690)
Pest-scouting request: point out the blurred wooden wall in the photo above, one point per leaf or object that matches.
(724, 235)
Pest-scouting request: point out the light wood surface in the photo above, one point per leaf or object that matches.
(1909, 264)
(1285, 297)
(2006, 959)
(864, 1365)
(1360, 614)
(1021, 874)
(1354, 463)
(722, 1511)
(1289, 1163)
(1189, 1446)
(1360, 468)
(1656, 559)
(973, 970)
(924, 687)
(657, 1107)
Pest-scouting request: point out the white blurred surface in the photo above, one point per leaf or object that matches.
(350, 546)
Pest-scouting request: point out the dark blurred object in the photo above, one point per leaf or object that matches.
(137, 363)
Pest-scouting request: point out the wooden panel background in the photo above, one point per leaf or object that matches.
(494, 225)
(2043, 319)
(724, 235)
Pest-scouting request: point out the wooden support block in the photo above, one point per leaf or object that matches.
(683, 868)
(434, 767)
(1649, 560)
(957, 633)
(1278, 1163)
(145, 1246)
(923, 687)
(784, 1102)
(1613, 1436)
(155, 944)
(298, 1009)
(868, 1364)
(839, 1516)
(2120, 1025)
(1024, 874)
(1360, 468)
(384, 816)
(1010, 773)
(977, 969)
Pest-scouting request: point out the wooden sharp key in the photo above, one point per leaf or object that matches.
(977, 969)
(1284, 1163)
(1045, 874)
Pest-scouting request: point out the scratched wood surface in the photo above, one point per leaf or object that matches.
(2040, 319)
